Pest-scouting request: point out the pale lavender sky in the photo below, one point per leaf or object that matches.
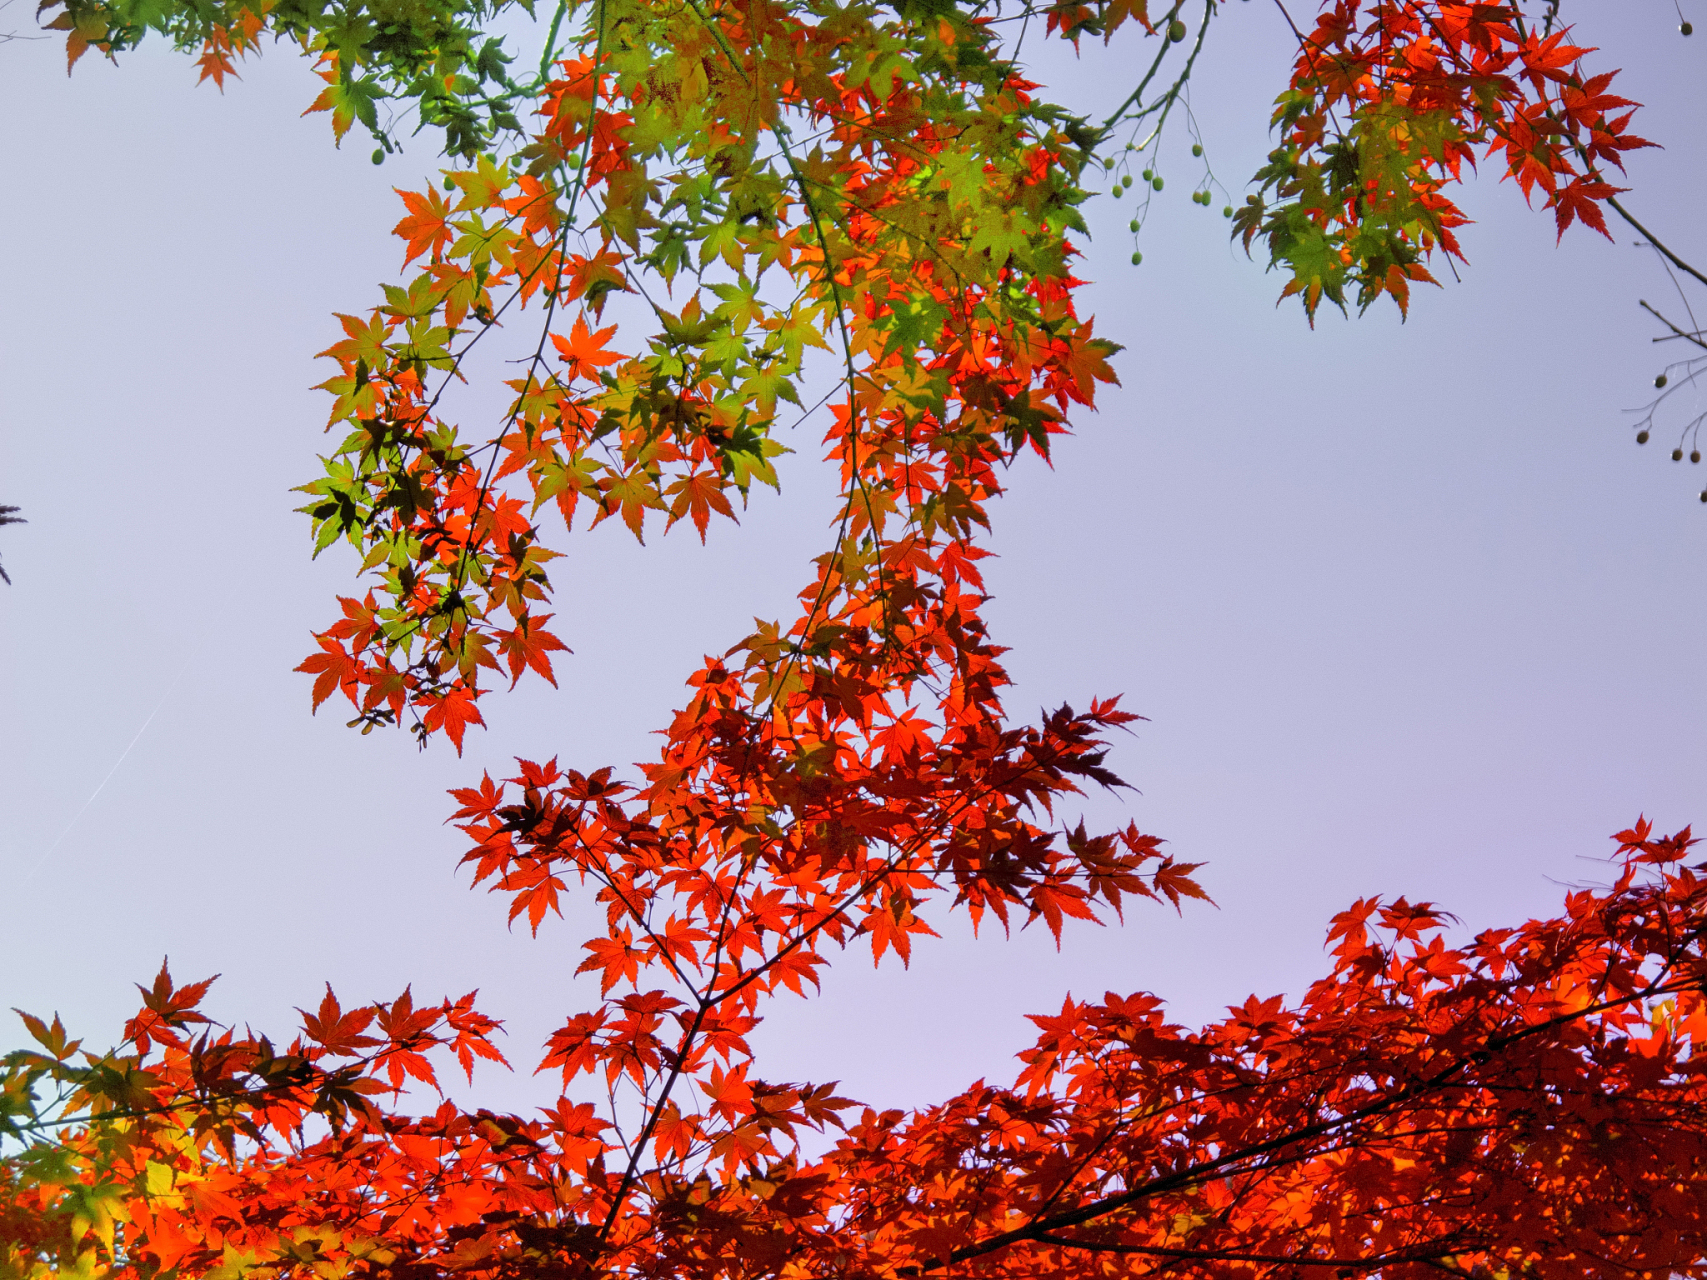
(1407, 609)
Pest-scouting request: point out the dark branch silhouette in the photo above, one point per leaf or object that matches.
(6, 517)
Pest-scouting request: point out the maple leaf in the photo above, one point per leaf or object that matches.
(453, 712)
(53, 1038)
(1174, 880)
(333, 669)
(427, 228)
(1580, 198)
(633, 493)
(215, 64)
(348, 99)
(594, 278)
(615, 959)
(528, 644)
(1087, 361)
(473, 1034)
(365, 343)
(336, 1031)
(583, 350)
(698, 494)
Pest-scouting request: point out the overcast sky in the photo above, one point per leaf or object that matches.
(1408, 611)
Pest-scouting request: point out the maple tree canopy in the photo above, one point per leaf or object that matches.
(767, 196)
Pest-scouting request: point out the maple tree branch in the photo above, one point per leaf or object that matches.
(1167, 100)
(1137, 94)
(1220, 1255)
(1195, 1173)
(705, 1003)
(655, 1113)
(454, 372)
(655, 1108)
(1112, 1131)
(8, 515)
(430, 405)
(944, 819)
(1310, 50)
(546, 54)
(577, 188)
(607, 877)
(1654, 240)
(1687, 337)
(858, 473)
(579, 185)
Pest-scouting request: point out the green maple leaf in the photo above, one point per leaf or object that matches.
(727, 348)
(421, 298)
(911, 324)
(1312, 255)
(764, 386)
(741, 305)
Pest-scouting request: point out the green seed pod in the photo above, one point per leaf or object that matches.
(1156, 183)
(1133, 227)
(1148, 174)
(1137, 257)
(379, 155)
(1176, 31)
(1227, 212)
(1197, 148)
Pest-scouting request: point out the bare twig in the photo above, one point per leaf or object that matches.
(6, 517)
